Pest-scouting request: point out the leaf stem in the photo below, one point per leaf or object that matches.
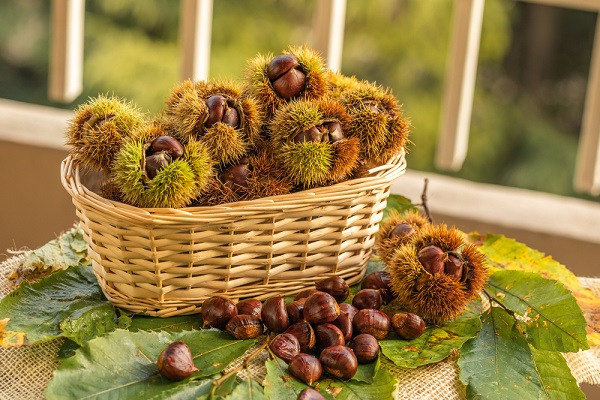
(499, 303)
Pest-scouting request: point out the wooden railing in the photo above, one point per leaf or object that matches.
(66, 65)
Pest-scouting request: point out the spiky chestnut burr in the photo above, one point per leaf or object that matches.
(99, 128)
(376, 118)
(217, 114)
(298, 73)
(424, 273)
(310, 138)
(148, 176)
(397, 229)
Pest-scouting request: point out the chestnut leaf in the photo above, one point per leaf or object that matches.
(436, 343)
(122, 364)
(398, 203)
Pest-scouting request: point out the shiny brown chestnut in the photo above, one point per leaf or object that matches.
(156, 162)
(379, 280)
(274, 314)
(249, 306)
(335, 286)
(310, 394)
(344, 323)
(408, 325)
(285, 346)
(373, 322)
(295, 310)
(320, 307)
(367, 298)
(453, 266)
(305, 334)
(328, 335)
(221, 110)
(286, 76)
(217, 311)
(339, 361)
(169, 144)
(402, 230)
(365, 347)
(305, 367)
(244, 326)
(348, 309)
(305, 293)
(235, 177)
(432, 259)
(176, 362)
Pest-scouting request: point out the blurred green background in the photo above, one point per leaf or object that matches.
(531, 80)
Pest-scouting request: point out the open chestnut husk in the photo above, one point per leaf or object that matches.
(285, 346)
(339, 361)
(367, 298)
(305, 367)
(305, 334)
(379, 280)
(310, 394)
(274, 314)
(373, 322)
(328, 335)
(320, 307)
(408, 325)
(216, 311)
(244, 326)
(365, 347)
(249, 306)
(335, 286)
(176, 362)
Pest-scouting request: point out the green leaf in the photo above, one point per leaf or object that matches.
(169, 324)
(190, 390)
(398, 203)
(247, 390)
(279, 384)
(505, 253)
(68, 250)
(122, 364)
(72, 301)
(555, 376)
(382, 387)
(497, 364)
(552, 318)
(436, 343)
(366, 372)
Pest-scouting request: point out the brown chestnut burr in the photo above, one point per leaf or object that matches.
(344, 323)
(373, 322)
(310, 394)
(348, 309)
(379, 280)
(156, 162)
(220, 110)
(274, 314)
(408, 325)
(244, 326)
(169, 144)
(335, 286)
(286, 76)
(235, 177)
(339, 361)
(305, 334)
(328, 335)
(432, 259)
(305, 367)
(367, 298)
(305, 293)
(321, 307)
(295, 310)
(249, 306)
(285, 346)
(176, 362)
(402, 230)
(365, 347)
(217, 311)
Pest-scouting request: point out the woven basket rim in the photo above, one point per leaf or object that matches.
(380, 175)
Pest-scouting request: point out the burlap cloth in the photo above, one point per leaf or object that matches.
(25, 371)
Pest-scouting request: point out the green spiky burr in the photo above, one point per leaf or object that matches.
(98, 129)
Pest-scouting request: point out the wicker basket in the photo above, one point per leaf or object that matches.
(166, 262)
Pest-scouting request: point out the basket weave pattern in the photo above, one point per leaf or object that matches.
(165, 262)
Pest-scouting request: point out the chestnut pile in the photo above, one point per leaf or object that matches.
(317, 331)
